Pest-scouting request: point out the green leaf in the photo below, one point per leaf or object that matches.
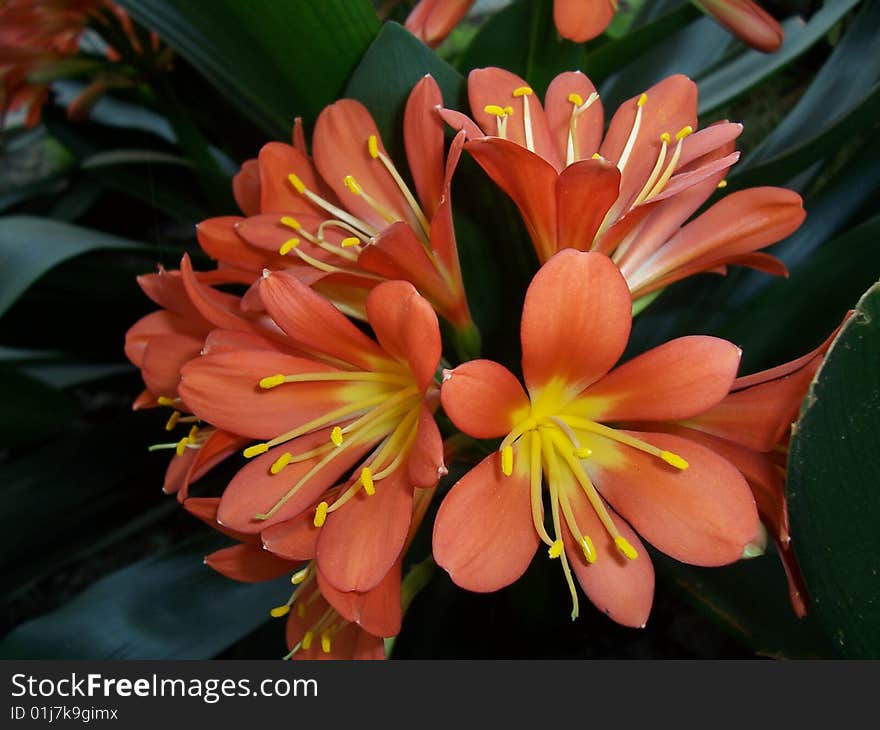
(833, 475)
(751, 68)
(29, 409)
(29, 247)
(170, 606)
(273, 59)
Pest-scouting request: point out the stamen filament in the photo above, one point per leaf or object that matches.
(355, 187)
(634, 133)
(404, 188)
(273, 381)
(535, 473)
(624, 438)
(334, 210)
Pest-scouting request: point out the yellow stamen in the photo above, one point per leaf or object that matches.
(271, 381)
(634, 133)
(628, 550)
(684, 132)
(288, 246)
(193, 432)
(291, 222)
(596, 156)
(583, 452)
(281, 462)
(674, 460)
(298, 184)
(643, 99)
(181, 445)
(722, 184)
(507, 460)
(367, 481)
(665, 138)
(523, 91)
(172, 421)
(325, 643)
(494, 110)
(336, 436)
(576, 99)
(589, 549)
(351, 241)
(279, 611)
(555, 549)
(251, 451)
(164, 400)
(373, 146)
(352, 184)
(307, 640)
(299, 576)
(321, 514)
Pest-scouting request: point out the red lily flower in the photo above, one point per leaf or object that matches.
(346, 220)
(432, 20)
(328, 399)
(629, 194)
(686, 500)
(751, 429)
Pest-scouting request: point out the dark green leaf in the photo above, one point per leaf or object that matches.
(29, 409)
(833, 474)
(273, 59)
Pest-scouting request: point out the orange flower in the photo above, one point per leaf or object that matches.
(747, 21)
(432, 20)
(627, 195)
(582, 20)
(327, 399)
(346, 220)
(686, 500)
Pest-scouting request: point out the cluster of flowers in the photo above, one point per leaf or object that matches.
(339, 427)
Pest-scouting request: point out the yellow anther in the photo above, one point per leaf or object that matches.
(625, 547)
(164, 400)
(508, 111)
(674, 460)
(367, 481)
(684, 132)
(494, 110)
(555, 549)
(291, 222)
(251, 451)
(666, 137)
(298, 184)
(523, 91)
(299, 576)
(181, 445)
(373, 146)
(271, 381)
(279, 611)
(576, 99)
(193, 432)
(281, 462)
(172, 421)
(336, 436)
(307, 640)
(352, 184)
(350, 241)
(722, 184)
(301, 610)
(589, 549)
(507, 460)
(288, 246)
(321, 514)
(583, 452)
(643, 99)
(325, 643)
(596, 156)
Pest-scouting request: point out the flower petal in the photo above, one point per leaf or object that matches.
(351, 642)
(295, 539)
(702, 515)
(483, 399)
(277, 195)
(678, 379)
(582, 20)
(425, 463)
(589, 126)
(248, 564)
(218, 239)
(423, 137)
(218, 446)
(246, 187)
(205, 509)
(377, 611)
(362, 540)
(585, 192)
(163, 358)
(575, 323)
(483, 534)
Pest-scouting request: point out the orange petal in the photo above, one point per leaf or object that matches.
(483, 534)
(277, 195)
(702, 515)
(223, 389)
(205, 509)
(176, 471)
(377, 611)
(483, 399)
(254, 490)
(432, 20)
(622, 589)
(220, 341)
(315, 324)
(582, 20)
(495, 86)
(423, 137)
(748, 22)
(163, 358)
(461, 123)
(351, 642)
(341, 148)
(678, 379)
(585, 192)
(218, 239)
(246, 187)
(219, 446)
(530, 182)
(248, 564)
(590, 123)
(295, 539)
(406, 327)
(575, 323)
(220, 309)
(362, 540)
(158, 324)
(425, 463)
